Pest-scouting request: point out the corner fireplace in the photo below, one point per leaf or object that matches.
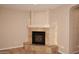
(38, 37)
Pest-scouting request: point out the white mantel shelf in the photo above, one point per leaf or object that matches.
(30, 26)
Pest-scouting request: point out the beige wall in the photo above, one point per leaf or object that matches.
(60, 17)
(74, 30)
(0, 27)
(66, 21)
(13, 25)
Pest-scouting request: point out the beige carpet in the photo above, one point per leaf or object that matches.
(20, 50)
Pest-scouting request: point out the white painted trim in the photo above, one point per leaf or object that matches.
(11, 47)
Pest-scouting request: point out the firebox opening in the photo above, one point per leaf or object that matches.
(38, 37)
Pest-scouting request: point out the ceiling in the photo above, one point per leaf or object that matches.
(24, 7)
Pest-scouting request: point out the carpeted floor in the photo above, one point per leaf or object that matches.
(17, 51)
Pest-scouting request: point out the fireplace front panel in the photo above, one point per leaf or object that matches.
(38, 37)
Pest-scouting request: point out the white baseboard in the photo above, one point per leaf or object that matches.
(11, 47)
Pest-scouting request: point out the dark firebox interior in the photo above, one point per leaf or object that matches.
(38, 38)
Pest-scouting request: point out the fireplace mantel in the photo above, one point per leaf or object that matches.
(33, 48)
(31, 26)
(45, 29)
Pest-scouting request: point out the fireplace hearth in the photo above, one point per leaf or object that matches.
(38, 37)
